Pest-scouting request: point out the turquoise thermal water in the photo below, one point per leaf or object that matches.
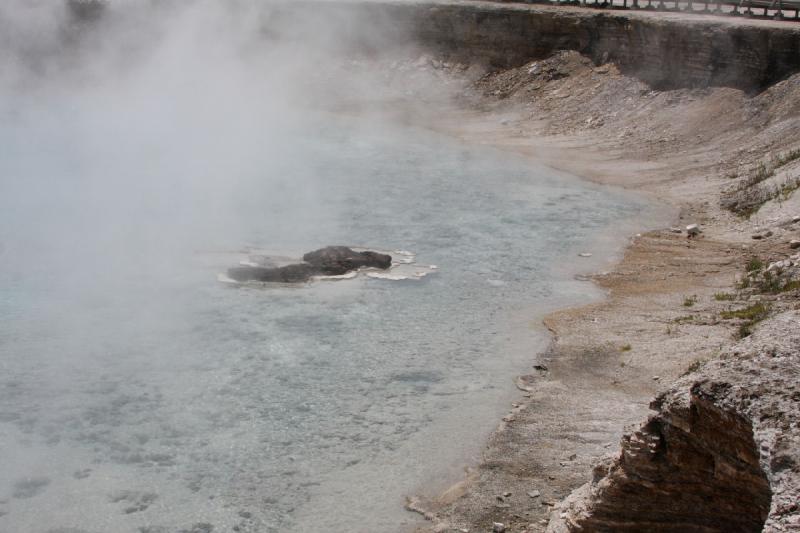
(139, 394)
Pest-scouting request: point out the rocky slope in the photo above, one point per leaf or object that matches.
(721, 453)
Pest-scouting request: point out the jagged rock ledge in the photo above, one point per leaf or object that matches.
(721, 453)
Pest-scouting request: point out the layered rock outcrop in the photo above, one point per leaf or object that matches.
(664, 50)
(721, 453)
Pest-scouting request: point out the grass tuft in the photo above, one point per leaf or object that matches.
(757, 311)
(754, 264)
(751, 315)
(785, 158)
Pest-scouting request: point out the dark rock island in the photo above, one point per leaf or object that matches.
(328, 261)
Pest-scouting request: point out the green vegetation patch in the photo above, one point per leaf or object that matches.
(774, 283)
(751, 315)
(787, 157)
(758, 311)
(754, 264)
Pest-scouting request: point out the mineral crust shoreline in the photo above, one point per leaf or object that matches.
(700, 114)
(718, 450)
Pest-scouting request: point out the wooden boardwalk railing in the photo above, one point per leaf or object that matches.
(763, 9)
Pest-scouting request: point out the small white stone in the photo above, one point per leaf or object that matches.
(693, 229)
(498, 527)
(585, 254)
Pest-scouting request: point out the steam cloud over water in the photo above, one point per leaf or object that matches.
(160, 118)
(140, 152)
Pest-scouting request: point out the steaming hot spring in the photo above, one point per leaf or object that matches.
(149, 147)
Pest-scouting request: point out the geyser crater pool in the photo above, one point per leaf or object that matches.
(139, 395)
(307, 410)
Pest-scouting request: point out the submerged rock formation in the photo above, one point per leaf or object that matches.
(329, 261)
(722, 452)
(337, 260)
